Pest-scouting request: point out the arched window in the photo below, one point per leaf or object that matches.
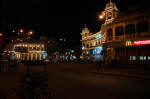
(143, 27)
(83, 44)
(130, 29)
(87, 45)
(119, 30)
(85, 34)
(109, 32)
(90, 44)
(96, 43)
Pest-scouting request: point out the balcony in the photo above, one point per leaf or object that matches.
(130, 36)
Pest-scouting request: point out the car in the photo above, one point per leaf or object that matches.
(46, 60)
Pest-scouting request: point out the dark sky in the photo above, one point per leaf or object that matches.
(60, 17)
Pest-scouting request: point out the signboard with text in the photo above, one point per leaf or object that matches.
(134, 43)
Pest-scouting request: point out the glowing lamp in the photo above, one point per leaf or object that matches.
(101, 16)
(1, 34)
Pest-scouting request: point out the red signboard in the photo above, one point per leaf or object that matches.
(143, 42)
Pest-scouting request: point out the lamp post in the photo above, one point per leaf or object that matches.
(30, 33)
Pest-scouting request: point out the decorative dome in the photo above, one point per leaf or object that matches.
(110, 5)
(85, 29)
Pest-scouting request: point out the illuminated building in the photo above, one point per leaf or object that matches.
(94, 43)
(124, 37)
(28, 51)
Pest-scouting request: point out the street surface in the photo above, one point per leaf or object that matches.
(76, 82)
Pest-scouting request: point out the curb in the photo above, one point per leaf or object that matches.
(124, 75)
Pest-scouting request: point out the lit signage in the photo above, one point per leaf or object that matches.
(128, 43)
(83, 47)
(98, 36)
(97, 50)
(143, 42)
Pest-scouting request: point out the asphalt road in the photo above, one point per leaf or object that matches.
(75, 82)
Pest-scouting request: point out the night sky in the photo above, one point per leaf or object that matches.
(59, 18)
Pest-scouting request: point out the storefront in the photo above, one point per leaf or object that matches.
(134, 52)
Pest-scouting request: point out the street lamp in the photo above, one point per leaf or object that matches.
(1, 34)
(21, 30)
(101, 17)
(30, 32)
(13, 31)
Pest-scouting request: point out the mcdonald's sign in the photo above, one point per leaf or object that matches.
(143, 42)
(128, 43)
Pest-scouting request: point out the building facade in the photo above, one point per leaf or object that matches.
(28, 51)
(124, 37)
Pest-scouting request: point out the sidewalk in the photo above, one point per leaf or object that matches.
(133, 73)
(6, 91)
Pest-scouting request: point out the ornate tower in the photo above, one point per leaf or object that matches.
(111, 12)
(85, 32)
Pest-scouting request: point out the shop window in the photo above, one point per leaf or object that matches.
(148, 57)
(130, 29)
(119, 31)
(142, 58)
(143, 27)
(132, 57)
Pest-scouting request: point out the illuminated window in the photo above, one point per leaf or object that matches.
(142, 57)
(148, 57)
(132, 57)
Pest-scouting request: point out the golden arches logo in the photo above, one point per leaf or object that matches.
(128, 43)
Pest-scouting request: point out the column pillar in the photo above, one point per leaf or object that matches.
(124, 35)
(35, 56)
(31, 56)
(40, 55)
(27, 56)
(136, 32)
(114, 35)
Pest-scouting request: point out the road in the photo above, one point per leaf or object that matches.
(70, 82)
